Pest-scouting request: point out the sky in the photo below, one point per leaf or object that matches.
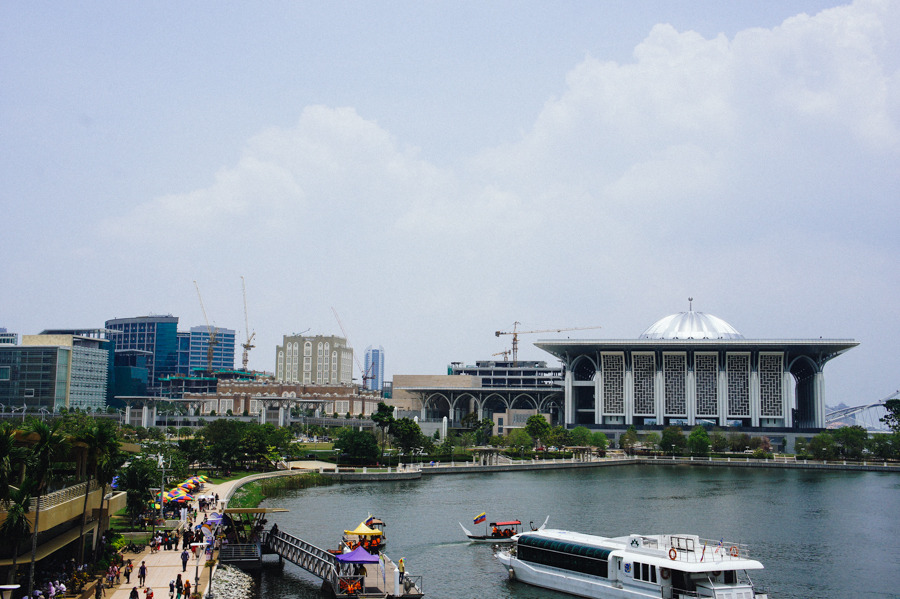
(434, 172)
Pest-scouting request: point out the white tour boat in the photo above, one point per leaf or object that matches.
(667, 566)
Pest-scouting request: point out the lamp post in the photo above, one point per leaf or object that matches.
(673, 451)
(44, 412)
(6, 590)
(15, 409)
(198, 551)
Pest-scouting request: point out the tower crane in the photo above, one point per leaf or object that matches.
(365, 373)
(504, 353)
(516, 332)
(210, 331)
(247, 345)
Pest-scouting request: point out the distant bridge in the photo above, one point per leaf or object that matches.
(868, 416)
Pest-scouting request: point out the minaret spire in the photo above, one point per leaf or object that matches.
(690, 304)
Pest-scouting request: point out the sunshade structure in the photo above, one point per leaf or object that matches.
(364, 531)
(358, 556)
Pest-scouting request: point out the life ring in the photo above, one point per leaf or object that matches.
(664, 573)
(733, 551)
(717, 573)
(672, 553)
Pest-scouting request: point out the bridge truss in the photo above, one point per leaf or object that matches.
(867, 416)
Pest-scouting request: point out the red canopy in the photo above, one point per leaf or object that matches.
(510, 523)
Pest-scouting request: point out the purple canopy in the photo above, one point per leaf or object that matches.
(358, 556)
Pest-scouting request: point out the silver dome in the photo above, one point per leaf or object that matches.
(691, 325)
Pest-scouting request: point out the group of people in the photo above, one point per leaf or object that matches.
(177, 590)
(164, 540)
(502, 532)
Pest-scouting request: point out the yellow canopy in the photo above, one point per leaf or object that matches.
(363, 530)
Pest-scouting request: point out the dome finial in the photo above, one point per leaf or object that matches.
(690, 304)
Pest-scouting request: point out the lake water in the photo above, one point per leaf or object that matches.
(818, 534)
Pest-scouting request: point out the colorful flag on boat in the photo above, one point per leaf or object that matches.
(480, 518)
(704, 551)
(369, 520)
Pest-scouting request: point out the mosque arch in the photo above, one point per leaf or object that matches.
(805, 406)
(436, 406)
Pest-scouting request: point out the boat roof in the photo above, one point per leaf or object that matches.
(655, 550)
(509, 523)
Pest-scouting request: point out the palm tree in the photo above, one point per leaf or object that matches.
(7, 451)
(15, 527)
(49, 443)
(100, 443)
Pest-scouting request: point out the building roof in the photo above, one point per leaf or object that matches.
(691, 325)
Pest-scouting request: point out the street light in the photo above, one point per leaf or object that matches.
(44, 412)
(6, 590)
(673, 451)
(15, 409)
(198, 551)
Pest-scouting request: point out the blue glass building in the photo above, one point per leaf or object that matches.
(157, 335)
(374, 368)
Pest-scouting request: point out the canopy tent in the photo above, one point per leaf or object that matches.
(358, 556)
(364, 531)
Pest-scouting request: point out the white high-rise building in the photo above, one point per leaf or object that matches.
(320, 360)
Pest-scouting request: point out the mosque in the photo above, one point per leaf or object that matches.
(694, 368)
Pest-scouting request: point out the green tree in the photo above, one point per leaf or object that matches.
(360, 446)
(7, 454)
(559, 436)
(672, 440)
(628, 440)
(698, 441)
(892, 415)
(137, 479)
(652, 441)
(16, 527)
(50, 444)
(101, 444)
(383, 417)
(406, 434)
(581, 436)
(599, 440)
(483, 431)
(719, 441)
(518, 438)
(851, 441)
(739, 442)
(538, 428)
(823, 446)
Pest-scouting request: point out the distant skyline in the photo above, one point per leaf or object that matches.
(434, 172)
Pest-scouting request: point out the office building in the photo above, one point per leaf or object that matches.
(318, 359)
(374, 374)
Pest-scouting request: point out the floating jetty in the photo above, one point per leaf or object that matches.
(379, 580)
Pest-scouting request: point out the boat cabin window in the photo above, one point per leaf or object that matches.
(645, 572)
(730, 576)
(564, 555)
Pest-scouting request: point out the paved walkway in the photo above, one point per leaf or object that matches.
(164, 566)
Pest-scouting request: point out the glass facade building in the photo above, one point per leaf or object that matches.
(374, 368)
(223, 350)
(157, 335)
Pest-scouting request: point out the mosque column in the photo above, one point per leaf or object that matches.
(819, 399)
(659, 392)
(280, 415)
(127, 413)
(723, 395)
(569, 399)
(629, 391)
(787, 394)
(598, 397)
(690, 392)
(754, 390)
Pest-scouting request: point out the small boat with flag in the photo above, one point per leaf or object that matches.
(498, 532)
(369, 535)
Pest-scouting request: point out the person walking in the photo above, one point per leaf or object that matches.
(187, 589)
(142, 573)
(401, 566)
(128, 568)
(179, 587)
(185, 556)
(171, 589)
(134, 594)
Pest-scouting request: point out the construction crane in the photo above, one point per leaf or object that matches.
(516, 332)
(365, 373)
(247, 345)
(504, 353)
(210, 331)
